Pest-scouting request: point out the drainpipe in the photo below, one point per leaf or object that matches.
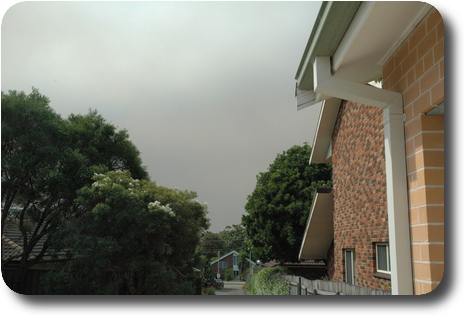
(395, 159)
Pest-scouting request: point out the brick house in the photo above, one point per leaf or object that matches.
(382, 224)
(228, 261)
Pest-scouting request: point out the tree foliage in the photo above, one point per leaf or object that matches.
(278, 208)
(46, 159)
(136, 238)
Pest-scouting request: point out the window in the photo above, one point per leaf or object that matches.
(223, 264)
(382, 257)
(350, 266)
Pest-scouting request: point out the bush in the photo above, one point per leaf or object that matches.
(208, 291)
(268, 281)
(229, 274)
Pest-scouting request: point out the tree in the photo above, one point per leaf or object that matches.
(279, 206)
(136, 238)
(45, 160)
(234, 237)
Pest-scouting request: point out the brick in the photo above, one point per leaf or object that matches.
(388, 68)
(433, 140)
(422, 104)
(432, 252)
(438, 51)
(413, 127)
(427, 43)
(411, 94)
(432, 122)
(409, 61)
(360, 209)
(433, 19)
(429, 79)
(433, 159)
(417, 36)
(438, 93)
(428, 272)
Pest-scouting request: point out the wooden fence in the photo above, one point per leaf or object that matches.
(302, 286)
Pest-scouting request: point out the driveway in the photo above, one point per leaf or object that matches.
(232, 288)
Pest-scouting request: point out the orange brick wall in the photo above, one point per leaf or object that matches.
(417, 70)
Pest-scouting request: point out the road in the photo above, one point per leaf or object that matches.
(232, 288)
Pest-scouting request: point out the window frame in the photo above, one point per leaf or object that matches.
(352, 262)
(377, 256)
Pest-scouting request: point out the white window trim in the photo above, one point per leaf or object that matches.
(377, 258)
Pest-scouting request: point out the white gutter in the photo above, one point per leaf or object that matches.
(327, 86)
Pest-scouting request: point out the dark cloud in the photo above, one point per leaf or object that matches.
(205, 89)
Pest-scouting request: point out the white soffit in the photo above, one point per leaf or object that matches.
(375, 33)
(321, 150)
(319, 232)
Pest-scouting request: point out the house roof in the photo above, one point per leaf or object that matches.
(222, 257)
(11, 249)
(319, 232)
(12, 240)
(359, 37)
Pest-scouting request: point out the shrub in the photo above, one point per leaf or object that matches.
(268, 281)
(208, 291)
(229, 274)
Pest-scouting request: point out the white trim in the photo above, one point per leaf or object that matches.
(228, 254)
(352, 32)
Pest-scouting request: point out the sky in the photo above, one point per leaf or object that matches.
(206, 90)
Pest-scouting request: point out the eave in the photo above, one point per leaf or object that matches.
(319, 231)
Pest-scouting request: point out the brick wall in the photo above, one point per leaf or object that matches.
(360, 200)
(416, 69)
(230, 263)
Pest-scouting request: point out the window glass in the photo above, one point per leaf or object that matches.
(349, 266)
(383, 257)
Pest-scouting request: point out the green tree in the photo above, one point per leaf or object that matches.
(136, 238)
(279, 206)
(234, 237)
(45, 160)
(210, 244)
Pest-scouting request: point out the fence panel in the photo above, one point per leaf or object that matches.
(302, 286)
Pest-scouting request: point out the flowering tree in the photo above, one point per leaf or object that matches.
(135, 238)
(45, 160)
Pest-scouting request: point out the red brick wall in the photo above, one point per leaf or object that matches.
(230, 264)
(359, 182)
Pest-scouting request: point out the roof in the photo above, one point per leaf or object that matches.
(331, 23)
(10, 249)
(359, 37)
(222, 257)
(12, 240)
(319, 232)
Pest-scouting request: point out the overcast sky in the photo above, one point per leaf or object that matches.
(205, 89)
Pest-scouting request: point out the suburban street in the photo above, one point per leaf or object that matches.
(232, 288)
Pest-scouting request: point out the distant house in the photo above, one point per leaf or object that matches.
(229, 261)
(383, 221)
(12, 240)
